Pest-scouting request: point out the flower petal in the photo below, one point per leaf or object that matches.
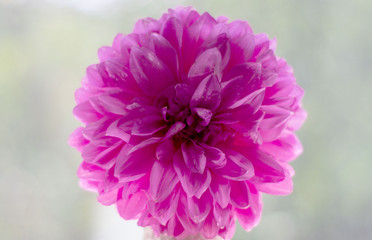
(194, 184)
(239, 194)
(220, 189)
(286, 148)
(207, 94)
(165, 209)
(249, 217)
(274, 122)
(163, 179)
(183, 215)
(204, 114)
(210, 227)
(222, 215)
(237, 167)
(199, 208)
(132, 207)
(215, 157)
(148, 125)
(174, 129)
(165, 151)
(166, 52)
(240, 82)
(130, 167)
(173, 31)
(265, 167)
(207, 63)
(150, 73)
(194, 156)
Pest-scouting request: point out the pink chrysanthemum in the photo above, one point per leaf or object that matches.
(187, 120)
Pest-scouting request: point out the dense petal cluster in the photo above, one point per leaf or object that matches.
(187, 120)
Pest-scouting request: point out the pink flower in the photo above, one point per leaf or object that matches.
(187, 120)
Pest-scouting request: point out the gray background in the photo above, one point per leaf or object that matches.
(45, 47)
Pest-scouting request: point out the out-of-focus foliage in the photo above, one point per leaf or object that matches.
(45, 47)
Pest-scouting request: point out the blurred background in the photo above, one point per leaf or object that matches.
(45, 46)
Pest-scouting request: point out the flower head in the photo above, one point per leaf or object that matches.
(187, 120)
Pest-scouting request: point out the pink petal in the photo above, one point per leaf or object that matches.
(222, 43)
(132, 187)
(146, 26)
(286, 148)
(194, 157)
(173, 31)
(220, 189)
(183, 94)
(101, 156)
(77, 140)
(215, 157)
(116, 75)
(148, 125)
(164, 209)
(108, 198)
(130, 167)
(165, 51)
(194, 184)
(207, 94)
(228, 231)
(105, 53)
(111, 102)
(234, 170)
(92, 172)
(222, 215)
(165, 151)
(249, 218)
(296, 121)
(163, 179)
(284, 187)
(174, 129)
(183, 215)
(133, 206)
(242, 80)
(210, 227)
(240, 160)
(204, 114)
(175, 228)
(274, 122)
(86, 113)
(194, 35)
(150, 73)
(265, 167)
(207, 63)
(199, 208)
(119, 131)
(239, 194)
